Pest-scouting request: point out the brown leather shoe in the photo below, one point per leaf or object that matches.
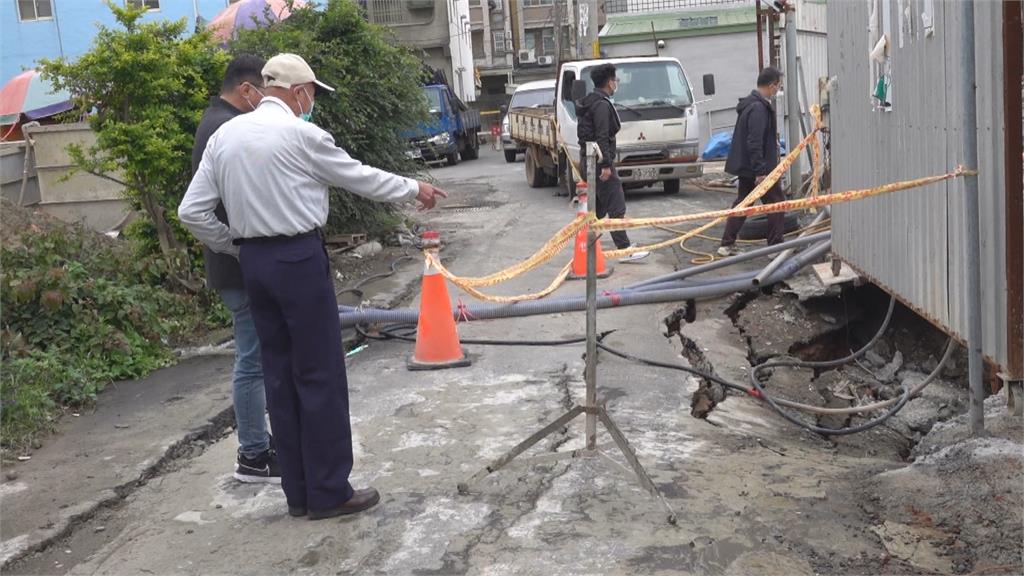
(360, 500)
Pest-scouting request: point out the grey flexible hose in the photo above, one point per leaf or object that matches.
(350, 317)
(726, 262)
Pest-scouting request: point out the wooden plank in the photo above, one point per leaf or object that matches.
(346, 239)
(828, 278)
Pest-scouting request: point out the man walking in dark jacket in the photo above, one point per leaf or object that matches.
(754, 154)
(256, 461)
(599, 122)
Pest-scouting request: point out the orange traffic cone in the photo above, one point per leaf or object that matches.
(437, 340)
(579, 255)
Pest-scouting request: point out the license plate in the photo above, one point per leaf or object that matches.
(646, 173)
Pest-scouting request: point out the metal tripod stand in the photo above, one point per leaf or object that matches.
(594, 412)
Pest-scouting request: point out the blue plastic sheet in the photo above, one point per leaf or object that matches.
(719, 144)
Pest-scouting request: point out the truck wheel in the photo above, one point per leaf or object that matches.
(453, 158)
(510, 156)
(567, 186)
(472, 151)
(535, 175)
(671, 186)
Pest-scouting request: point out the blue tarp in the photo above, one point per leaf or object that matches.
(719, 144)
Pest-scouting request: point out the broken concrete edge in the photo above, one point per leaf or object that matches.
(215, 429)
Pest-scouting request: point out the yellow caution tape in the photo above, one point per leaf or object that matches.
(744, 208)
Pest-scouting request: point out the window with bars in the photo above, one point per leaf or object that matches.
(644, 6)
(150, 5)
(538, 2)
(29, 10)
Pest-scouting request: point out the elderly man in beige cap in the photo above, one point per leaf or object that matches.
(271, 169)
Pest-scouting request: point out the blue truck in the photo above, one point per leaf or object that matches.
(451, 132)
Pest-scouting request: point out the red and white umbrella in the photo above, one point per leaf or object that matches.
(248, 14)
(28, 94)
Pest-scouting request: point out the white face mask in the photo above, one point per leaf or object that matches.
(251, 105)
(307, 116)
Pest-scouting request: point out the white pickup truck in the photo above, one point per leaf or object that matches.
(658, 141)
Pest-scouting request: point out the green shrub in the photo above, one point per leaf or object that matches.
(80, 311)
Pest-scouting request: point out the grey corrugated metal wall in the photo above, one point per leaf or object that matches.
(912, 242)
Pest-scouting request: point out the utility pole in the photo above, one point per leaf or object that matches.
(587, 18)
(556, 9)
(792, 98)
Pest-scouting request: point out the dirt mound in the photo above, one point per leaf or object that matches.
(958, 507)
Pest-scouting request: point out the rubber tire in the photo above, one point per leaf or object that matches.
(567, 187)
(756, 227)
(472, 151)
(510, 156)
(535, 175)
(672, 186)
(453, 158)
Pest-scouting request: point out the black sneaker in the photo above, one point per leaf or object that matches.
(261, 469)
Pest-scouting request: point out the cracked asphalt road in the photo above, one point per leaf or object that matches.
(753, 496)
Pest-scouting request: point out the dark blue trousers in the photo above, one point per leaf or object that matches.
(296, 314)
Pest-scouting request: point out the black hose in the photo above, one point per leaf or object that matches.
(757, 391)
(357, 288)
(670, 366)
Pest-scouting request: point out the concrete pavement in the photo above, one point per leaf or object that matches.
(753, 495)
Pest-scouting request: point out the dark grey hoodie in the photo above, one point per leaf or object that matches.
(755, 150)
(598, 122)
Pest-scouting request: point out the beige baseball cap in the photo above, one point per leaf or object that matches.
(286, 70)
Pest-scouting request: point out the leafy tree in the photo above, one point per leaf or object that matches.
(148, 84)
(378, 94)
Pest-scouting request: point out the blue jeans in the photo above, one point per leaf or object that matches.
(248, 393)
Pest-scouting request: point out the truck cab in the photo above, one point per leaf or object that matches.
(660, 125)
(451, 131)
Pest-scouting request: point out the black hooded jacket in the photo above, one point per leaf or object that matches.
(755, 149)
(598, 122)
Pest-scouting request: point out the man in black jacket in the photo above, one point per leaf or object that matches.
(599, 122)
(256, 461)
(754, 154)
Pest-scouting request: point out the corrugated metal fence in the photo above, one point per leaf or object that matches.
(912, 243)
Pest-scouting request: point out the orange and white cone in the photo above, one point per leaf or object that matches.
(579, 253)
(437, 339)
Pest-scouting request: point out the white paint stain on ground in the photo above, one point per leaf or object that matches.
(493, 380)
(431, 439)
(192, 517)
(9, 488)
(10, 548)
(427, 536)
(268, 501)
(521, 393)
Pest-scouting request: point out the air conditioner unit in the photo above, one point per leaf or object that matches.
(527, 57)
(545, 60)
